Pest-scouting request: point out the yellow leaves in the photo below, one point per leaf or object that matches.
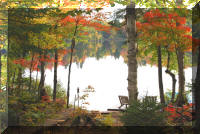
(1, 46)
(45, 40)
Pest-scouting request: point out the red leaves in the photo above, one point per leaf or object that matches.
(28, 63)
(138, 25)
(153, 14)
(37, 59)
(86, 21)
(184, 112)
(196, 43)
(181, 20)
(46, 99)
(166, 29)
(60, 101)
(68, 19)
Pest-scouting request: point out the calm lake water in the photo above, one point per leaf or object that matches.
(108, 76)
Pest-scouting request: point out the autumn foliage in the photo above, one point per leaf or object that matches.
(35, 62)
(86, 21)
(168, 29)
(179, 114)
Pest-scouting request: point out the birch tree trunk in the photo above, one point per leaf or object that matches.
(132, 52)
(181, 99)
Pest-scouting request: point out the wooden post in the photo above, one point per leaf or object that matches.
(78, 95)
(74, 101)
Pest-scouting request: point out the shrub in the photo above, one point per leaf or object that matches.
(108, 120)
(179, 115)
(145, 113)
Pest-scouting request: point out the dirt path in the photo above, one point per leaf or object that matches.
(60, 117)
(116, 117)
(64, 118)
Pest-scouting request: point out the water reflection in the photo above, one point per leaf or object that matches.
(109, 78)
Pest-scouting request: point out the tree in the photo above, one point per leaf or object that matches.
(196, 52)
(168, 71)
(132, 52)
(80, 21)
(160, 28)
(152, 32)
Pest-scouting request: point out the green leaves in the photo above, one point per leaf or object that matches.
(145, 113)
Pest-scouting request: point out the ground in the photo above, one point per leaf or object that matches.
(64, 118)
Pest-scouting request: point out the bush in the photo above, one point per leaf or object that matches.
(108, 120)
(145, 113)
(174, 114)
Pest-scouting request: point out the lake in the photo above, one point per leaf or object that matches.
(108, 76)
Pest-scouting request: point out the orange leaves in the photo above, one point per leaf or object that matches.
(165, 29)
(28, 63)
(60, 102)
(153, 14)
(182, 28)
(181, 20)
(138, 25)
(87, 21)
(46, 99)
(37, 59)
(68, 19)
(62, 52)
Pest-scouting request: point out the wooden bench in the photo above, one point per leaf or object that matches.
(123, 101)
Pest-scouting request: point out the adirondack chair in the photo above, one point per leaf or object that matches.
(124, 101)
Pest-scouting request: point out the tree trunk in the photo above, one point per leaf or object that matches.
(181, 99)
(8, 71)
(13, 80)
(196, 87)
(30, 73)
(19, 78)
(55, 75)
(173, 83)
(36, 80)
(173, 78)
(42, 78)
(0, 68)
(132, 53)
(162, 98)
(70, 64)
(197, 95)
